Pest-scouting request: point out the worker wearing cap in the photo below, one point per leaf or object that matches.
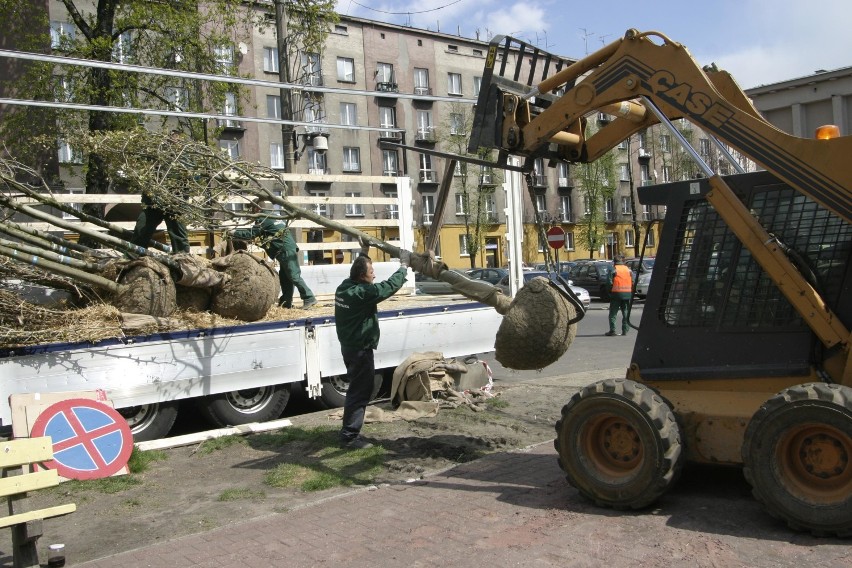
(620, 293)
(274, 237)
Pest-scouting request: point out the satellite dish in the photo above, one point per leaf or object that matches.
(242, 47)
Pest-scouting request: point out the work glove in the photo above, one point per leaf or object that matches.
(365, 246)
(404, 257)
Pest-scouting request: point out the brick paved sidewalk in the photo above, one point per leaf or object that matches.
(508, 509)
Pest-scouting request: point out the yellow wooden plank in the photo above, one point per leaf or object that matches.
(39, 514)
(28, 482)
(25, 450)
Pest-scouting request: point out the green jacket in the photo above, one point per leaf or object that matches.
(356, 313)
(274, 236)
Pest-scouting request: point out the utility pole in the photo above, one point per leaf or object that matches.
(288, 135)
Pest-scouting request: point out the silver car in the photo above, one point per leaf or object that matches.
(581, 293)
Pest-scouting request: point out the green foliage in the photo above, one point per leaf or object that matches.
(313, 461)
(217, 444)
(109, 485)
(139, 460)
(598, 182)
(496, 402)
(241, 494)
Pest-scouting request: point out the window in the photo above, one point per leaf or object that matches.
(69, 155)
(477, 84)
(587, 205)
(704, 146)
(312, 69)
(224, 56)
(270, 59)
(541, 203)
(462, 201)
(490, 207)
(351, 159)
(456, 124)
(477, 52)
(646, 212)
(461, 169)
(273, 106)
(665, 142)
(348, 114)
(316, 162)
(421, 81)
(390, 163)
(346, 69)
(562, 174)
(76, 206)
(626, 209)
(628, 238)
(61, 32)
(425, 131)
(454, 84)
(565, 208)
(463, 248)
(121, 48)
(392, 210)
(645, 174)
(341, 29)
(427, 203)
(641, 138)
(230, 147)
(427, 173)
(64, 91)
(387, 119)
(624, 172)
(608, 207)
(384, 73)
(276, 155)
(667, 173)
(650, 240)
(230, 109)
(319, 208)
(569, 241)
(313, 112)
(622, 145)
(177, 97)
(453, 48)
(354, 209)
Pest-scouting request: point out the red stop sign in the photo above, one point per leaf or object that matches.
(556, 237)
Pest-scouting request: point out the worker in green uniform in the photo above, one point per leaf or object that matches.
(357, 322)
(274, 237)
(152, 215)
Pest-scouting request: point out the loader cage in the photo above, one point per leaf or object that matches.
(712, 311)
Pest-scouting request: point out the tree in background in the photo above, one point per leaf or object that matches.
(598, 184)
(475, 184)
(194, 36)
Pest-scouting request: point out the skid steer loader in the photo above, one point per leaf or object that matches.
(743, 351)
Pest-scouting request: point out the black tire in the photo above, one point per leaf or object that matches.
(333, 391)
(619, 444)
(150, 421)
(259, 404)
(797, 456)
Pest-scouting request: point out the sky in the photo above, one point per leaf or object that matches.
(759, 42)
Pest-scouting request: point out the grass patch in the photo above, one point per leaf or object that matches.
(496, 402)
(216, 444)
(314, 462)
(238, 494)
(109, 485)
(139, 460)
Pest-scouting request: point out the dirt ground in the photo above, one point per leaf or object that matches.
(181, 494)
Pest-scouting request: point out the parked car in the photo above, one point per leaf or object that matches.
(432, 286)
(581, 293)
(642, 274)
(564, 268)
(593, 275)
(490, 275)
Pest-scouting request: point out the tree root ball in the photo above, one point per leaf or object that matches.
(147, 288)
(251, 290)
(196, 299)
(535, 332)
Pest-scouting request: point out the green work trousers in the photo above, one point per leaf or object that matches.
(290, 277)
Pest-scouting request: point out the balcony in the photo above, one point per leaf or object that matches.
(646, 182)
(318, 127)
(228, 124)
(313, 80)
(423, 91)
(387, 87)
(425, 135)
(565, 217)
(487, 179)
(539, 181)
(392, 173)
(427, 218)
(428, 176)
(565, 182)
(317, 171)
(390, 134)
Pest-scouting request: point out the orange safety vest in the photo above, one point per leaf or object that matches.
(622, 281)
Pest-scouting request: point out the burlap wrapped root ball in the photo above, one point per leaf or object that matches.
(146, 288)
(251, 289)
(534, 332)
(194, 299)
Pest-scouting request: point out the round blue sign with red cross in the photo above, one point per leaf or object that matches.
(90, 439)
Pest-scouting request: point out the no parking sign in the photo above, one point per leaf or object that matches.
(90, 439)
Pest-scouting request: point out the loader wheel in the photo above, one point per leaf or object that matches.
(619, 444)
(797, 456)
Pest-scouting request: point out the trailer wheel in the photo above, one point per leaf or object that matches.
(619, 444)
(333, 390)
(150, 421)
(259, 404)
(797, 455)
